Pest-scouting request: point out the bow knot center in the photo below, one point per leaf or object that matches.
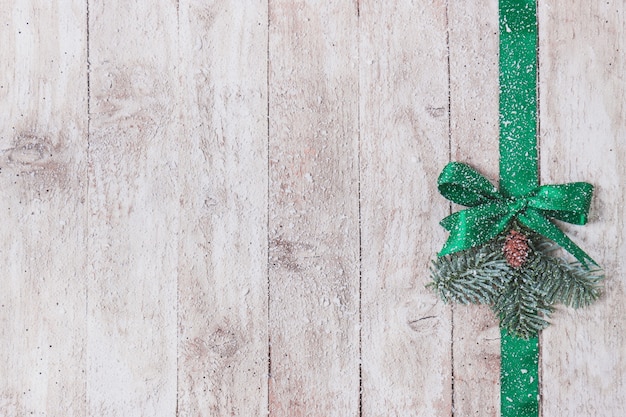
(519, 204)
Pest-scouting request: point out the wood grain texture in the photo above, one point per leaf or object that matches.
(404, 143)
(583, 130)
(313, 209)
(133, 209)
(43, 147)
(222, 303)
(198, 193)
(473, 44)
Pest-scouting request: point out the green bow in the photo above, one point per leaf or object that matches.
(491, 212)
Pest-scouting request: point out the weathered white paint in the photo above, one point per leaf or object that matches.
(134, 209)
(583, 138)
(473, 44)
(244, 187)
(313, 209)
(404, 143)
(222, 172)
(43, 186)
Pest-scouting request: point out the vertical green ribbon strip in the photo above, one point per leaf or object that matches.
(519, 379)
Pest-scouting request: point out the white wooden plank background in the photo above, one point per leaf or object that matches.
(583, 128)
(404, 111)
(44, 228)
(473, 138)
(222, 174)
(313, 209)
(227, 208)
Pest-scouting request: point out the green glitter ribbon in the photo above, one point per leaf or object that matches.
(519, 167)
(519, 197)
(519, 376)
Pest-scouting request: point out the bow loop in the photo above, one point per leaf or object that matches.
(567, 202)
(463, 185)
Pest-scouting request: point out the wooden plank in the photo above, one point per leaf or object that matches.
(133, 209)
(583, 130)
(404, 144)
(43, 129)
(313, 196)
(222, 307)
(474, 88)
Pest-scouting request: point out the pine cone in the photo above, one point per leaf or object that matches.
(516, 249)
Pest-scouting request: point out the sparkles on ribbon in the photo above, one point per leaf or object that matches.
(491, 212)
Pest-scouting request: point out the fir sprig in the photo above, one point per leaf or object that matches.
(568, 283)
(522, 297)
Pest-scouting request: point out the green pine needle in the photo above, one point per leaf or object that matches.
(521, 308)
(472, 276)
(569, 283)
